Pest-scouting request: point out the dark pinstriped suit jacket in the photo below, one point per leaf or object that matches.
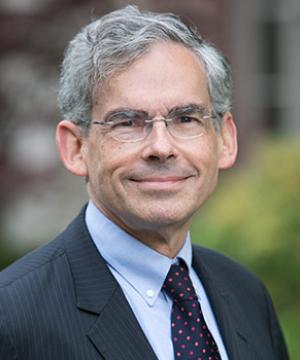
(62, 303)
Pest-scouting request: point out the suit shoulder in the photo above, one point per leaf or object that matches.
(224, 265)
(32, 262)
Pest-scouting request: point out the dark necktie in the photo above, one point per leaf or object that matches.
(190, 334)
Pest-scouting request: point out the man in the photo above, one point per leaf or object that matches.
(147, 122)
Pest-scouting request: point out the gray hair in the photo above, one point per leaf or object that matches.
(114, 41)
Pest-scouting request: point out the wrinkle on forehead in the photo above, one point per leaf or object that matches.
(167, 76)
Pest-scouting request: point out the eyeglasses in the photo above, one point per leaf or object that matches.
(187, 122)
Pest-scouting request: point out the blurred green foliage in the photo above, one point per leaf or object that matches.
(254, 217)
(7, 254)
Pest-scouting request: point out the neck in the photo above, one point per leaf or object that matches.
(167, 242)
(166, 239)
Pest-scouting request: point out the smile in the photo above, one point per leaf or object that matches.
(167, 183)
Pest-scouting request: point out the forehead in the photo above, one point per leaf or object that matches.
(168, 75)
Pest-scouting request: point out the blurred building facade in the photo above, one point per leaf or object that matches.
(38, 197)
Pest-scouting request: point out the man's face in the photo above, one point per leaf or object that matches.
(161, 180)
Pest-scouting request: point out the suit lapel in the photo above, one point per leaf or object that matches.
(229, 316)
(116, 333)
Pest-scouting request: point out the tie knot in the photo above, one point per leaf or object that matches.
(178, 284)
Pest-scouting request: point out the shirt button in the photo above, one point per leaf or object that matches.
(150, 293)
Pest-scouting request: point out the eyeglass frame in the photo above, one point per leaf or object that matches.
(186, 111)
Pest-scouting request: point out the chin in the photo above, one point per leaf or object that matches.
(159, 217)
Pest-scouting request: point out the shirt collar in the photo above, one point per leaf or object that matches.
(142, 267)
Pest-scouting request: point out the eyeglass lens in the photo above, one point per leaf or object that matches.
(182, 122)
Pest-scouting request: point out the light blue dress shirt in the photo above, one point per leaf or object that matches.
(141, 272)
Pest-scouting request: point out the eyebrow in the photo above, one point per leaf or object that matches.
(124, 111)
(187, 109)
(182, 110)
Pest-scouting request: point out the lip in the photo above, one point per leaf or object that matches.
(165, 183)
(161, 179)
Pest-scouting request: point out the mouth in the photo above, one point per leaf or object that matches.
(160, 183)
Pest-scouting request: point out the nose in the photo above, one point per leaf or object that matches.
(159, 144)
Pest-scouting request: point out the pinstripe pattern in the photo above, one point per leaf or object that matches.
(44, 316)
(61, 303)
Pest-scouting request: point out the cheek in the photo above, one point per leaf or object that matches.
(204, 156)
(106, 164)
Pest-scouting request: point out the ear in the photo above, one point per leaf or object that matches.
(228, 146)
(70, 144)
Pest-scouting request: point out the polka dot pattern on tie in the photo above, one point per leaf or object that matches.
(191, 337)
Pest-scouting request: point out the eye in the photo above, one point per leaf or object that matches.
(126, 122)
(123, 123)
(186, 119)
